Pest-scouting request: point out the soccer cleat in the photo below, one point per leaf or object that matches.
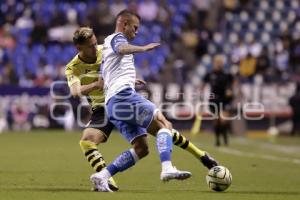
(173, 173)
(111, 184)
(100, 184)
(208, 161)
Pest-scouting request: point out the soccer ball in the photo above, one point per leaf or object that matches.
(218, 178)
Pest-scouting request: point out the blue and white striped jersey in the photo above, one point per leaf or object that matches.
(117, 70)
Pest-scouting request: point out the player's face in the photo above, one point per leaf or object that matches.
(89, 48)
(218, 64)
(131, 27)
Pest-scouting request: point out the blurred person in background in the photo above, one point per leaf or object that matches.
(7, 40)
(253, 47)
(295, 105)
(221, 89)
(148, 10)
(231, 5)
(132, 5)
(239, 51)
(9, 76)
(295, 54)
(3, 122)
(203, 7)
(263, 62)
(281, 59)
(41, 118)
(117, 6)
(63, 26)
(39, 33)
(25, 21)
(164, 13)
(247, 67)
(20, 117)
(100, 19)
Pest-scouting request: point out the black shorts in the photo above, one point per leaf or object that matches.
(100, 121)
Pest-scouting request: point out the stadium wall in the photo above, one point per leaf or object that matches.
(265, 104)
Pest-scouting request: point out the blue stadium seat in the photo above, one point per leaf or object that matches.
(157, 29)
(283, 26)
(291, 16)
(178, 20)
(276, 16)
(237, 26)
(38, 49)
(44, 10)
(252, 26)
(265, 37)
(212, 49)
(218, 38)
(280, 5)
(268, 26)
(295, 4)
(229, 16)
(260, 16)
(233, 37)
(184, 8)
(264, 5)
(244, 16)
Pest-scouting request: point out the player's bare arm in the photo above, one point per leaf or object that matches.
(140, 82)
(129, 48)
(81, 90)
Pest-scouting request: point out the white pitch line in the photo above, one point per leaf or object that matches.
(275, 147)
(262, 156)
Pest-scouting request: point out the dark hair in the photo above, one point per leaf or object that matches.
(127, 13)
(82, 34)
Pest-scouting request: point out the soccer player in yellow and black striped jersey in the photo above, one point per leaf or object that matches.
(82, 74)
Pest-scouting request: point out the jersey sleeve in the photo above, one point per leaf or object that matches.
(118, 40)
(71, 77)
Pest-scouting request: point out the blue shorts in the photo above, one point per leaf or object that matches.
(131, 113)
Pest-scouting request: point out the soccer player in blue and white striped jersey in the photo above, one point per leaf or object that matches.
(130, 112)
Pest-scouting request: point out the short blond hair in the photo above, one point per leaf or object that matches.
(82, 34)
(219, 58)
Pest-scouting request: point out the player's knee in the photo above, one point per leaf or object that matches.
(166, 124)
(162, 122)
(141, 150)
(93, 135)
(169, 125)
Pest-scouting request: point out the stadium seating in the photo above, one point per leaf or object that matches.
(265, 24)
(27, 58)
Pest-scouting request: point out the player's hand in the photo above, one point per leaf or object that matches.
(99, 83)
(140, 82)
(151, 46)
(229, 93)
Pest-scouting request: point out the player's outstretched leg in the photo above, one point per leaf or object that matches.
(124, 161)
(88, 142)
(184, 143)
(164, 148)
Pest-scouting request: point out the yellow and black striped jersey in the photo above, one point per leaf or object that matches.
(78, 71)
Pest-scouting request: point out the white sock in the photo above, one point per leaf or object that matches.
(134, 155)
(104, 174)
(166, 165)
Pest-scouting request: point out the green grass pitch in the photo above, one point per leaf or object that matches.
(44, 165)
